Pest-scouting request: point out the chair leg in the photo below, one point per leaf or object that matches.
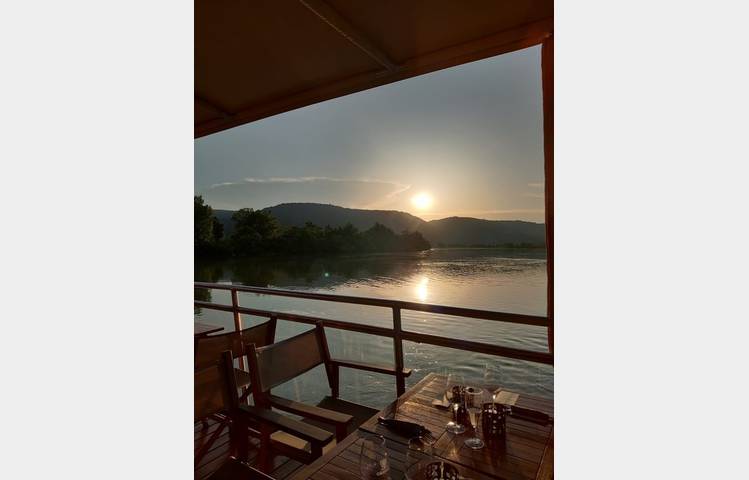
(265, 456)
(239, 438)
(341, 431)
(335, 382)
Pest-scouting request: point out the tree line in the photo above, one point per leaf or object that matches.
(256, 232)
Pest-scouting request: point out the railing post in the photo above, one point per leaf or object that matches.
(237, 319)
(400, 380)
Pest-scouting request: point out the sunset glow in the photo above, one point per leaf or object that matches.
(430, 146)
(422, 201)
(422, 289)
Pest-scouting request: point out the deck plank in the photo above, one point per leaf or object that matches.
(218, 453)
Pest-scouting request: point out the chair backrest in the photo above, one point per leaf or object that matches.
(278, 363)
(216, 387)
(209, 348)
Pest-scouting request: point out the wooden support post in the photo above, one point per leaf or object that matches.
(336, 381)
(547, 81)
(237, 319)
(400, 380)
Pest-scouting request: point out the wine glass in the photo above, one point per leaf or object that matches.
(454, 379)
(474, 398)
(373, 462)
(492, 376)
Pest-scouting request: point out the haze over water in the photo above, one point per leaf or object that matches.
(492, 279)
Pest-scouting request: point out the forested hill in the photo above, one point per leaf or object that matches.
(444, 232)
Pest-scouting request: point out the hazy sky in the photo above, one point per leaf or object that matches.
(469, 137)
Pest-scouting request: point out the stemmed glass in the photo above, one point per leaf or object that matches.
(373, 462)
(454, 380)
(492, 376)
(474, 398)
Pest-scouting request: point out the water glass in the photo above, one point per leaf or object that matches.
(373, 462)
(454, 380)
(474, 398)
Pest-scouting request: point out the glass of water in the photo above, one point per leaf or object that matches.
(454, 380)
(373, 462)
(474, 398)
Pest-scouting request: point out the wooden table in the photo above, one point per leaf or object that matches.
(528, 452)
(202, 329)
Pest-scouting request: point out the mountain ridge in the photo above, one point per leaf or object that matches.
(449, 231)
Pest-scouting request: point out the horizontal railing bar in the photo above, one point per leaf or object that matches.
(214, 306)
(292, 317)
(478, 347)
(381, 302)
(385, 369)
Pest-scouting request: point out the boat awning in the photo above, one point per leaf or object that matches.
(257, 58)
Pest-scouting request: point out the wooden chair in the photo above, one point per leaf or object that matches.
(216, 392)
(280, 362)
(208, 349)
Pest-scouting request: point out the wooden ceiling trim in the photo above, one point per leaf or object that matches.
(502, 42)
(212, 107)
(498, 43)
(341, 25)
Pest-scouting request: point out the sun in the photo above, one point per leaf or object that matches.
(422, 201)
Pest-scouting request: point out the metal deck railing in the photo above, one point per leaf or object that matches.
(397, 333)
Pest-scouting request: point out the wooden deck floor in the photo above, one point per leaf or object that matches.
(283, 467)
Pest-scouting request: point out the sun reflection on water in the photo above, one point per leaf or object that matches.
(422, 292)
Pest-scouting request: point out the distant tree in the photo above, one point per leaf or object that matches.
(204, 223)
(257, 232)
(306, 239)
(413, 242)
(346, 239)
(254, 231)
(380, 238)
(218, 230)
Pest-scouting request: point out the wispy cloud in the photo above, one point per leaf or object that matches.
(536, 185)
(264, 191)
(310, 180)
(293, 179)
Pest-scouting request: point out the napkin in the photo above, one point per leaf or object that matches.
(441, 402)
(505, 397)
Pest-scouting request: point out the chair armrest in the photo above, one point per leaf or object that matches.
(310, 411)
(305, 431)
(371, 367)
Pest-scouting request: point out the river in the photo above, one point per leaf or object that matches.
(504, 280)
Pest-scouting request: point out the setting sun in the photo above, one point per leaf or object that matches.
(422, 201)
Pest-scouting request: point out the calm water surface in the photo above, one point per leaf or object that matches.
(492, 279)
